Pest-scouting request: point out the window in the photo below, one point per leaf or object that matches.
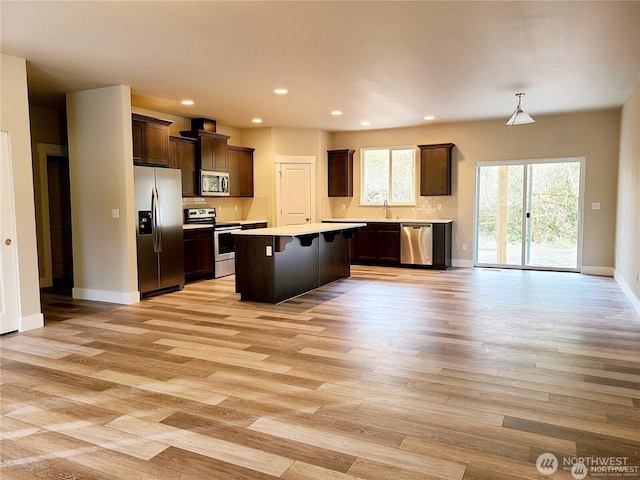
(388, 173)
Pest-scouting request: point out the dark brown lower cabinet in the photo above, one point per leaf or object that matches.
(377, 243)
(198, 254)
(442, 245)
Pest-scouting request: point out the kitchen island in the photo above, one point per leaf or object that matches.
(278, 263)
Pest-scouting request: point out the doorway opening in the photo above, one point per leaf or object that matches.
(60, 221)
(528, 214)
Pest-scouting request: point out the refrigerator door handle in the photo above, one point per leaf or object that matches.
(156, 220)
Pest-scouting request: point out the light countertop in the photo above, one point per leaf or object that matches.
(389, 220)
(193, 226)
(299, 230)
(246, 222)
(196, 226)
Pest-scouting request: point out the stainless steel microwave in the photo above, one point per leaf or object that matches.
(214, 184)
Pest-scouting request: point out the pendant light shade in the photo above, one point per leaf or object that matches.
(519, 117)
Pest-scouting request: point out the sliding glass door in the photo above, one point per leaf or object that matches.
(528, 214)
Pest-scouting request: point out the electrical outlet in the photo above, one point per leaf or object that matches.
(344, 207)
(439, 206)
(463, 247)
(235, 208)
(595, 206)
(115, 213)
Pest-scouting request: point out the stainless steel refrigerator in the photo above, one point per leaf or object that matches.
(159, 239)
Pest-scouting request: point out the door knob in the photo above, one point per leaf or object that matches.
(7, 241)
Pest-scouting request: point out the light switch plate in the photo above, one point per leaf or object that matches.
(269, 251)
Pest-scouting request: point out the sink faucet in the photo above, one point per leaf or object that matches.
(387, 212)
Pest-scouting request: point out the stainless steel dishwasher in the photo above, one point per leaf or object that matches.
(416, 244)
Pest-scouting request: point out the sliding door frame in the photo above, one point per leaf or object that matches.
(526, 205)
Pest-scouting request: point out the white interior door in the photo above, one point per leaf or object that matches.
(9, 287)
(295, 193)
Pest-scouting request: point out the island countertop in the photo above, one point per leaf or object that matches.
(389, 220)
(300, 230)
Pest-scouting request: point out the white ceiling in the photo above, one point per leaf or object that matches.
(390, 63)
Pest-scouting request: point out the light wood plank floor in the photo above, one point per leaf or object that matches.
(390, 374)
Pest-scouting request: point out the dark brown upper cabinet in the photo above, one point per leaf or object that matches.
(150, 140)
(340, 167)
(182, 154)
(240, 166)
(211, 149)
(435, 169)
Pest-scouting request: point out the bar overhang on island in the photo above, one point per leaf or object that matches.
(278, 263)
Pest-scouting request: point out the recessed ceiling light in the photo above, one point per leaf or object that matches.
(429, 117)
(365, 123)
(281, 91)
(256, 120)
(187, 102)
(336, 112)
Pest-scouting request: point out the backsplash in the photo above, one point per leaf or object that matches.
(425, 208)
(232, 208)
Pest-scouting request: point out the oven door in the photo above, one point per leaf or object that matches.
(224, 243)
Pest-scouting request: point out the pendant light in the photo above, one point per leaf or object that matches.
(519, 117)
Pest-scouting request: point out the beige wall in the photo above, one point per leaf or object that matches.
(270, 142)
(628, 217)
(101, 176)
(14, 118)
(593, 135)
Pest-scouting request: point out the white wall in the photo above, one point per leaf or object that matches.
(628, 216)
(101, 177)
(14, 118)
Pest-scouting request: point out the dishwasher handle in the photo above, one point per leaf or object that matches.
(415, 225)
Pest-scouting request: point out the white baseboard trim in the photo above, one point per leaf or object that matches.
(122, 298)
(635, 301)
(462, 263)
(599, 271)
(31, 322)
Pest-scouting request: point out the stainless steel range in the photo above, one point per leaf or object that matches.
(224, 250)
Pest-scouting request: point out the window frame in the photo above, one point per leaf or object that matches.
(414, 158)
